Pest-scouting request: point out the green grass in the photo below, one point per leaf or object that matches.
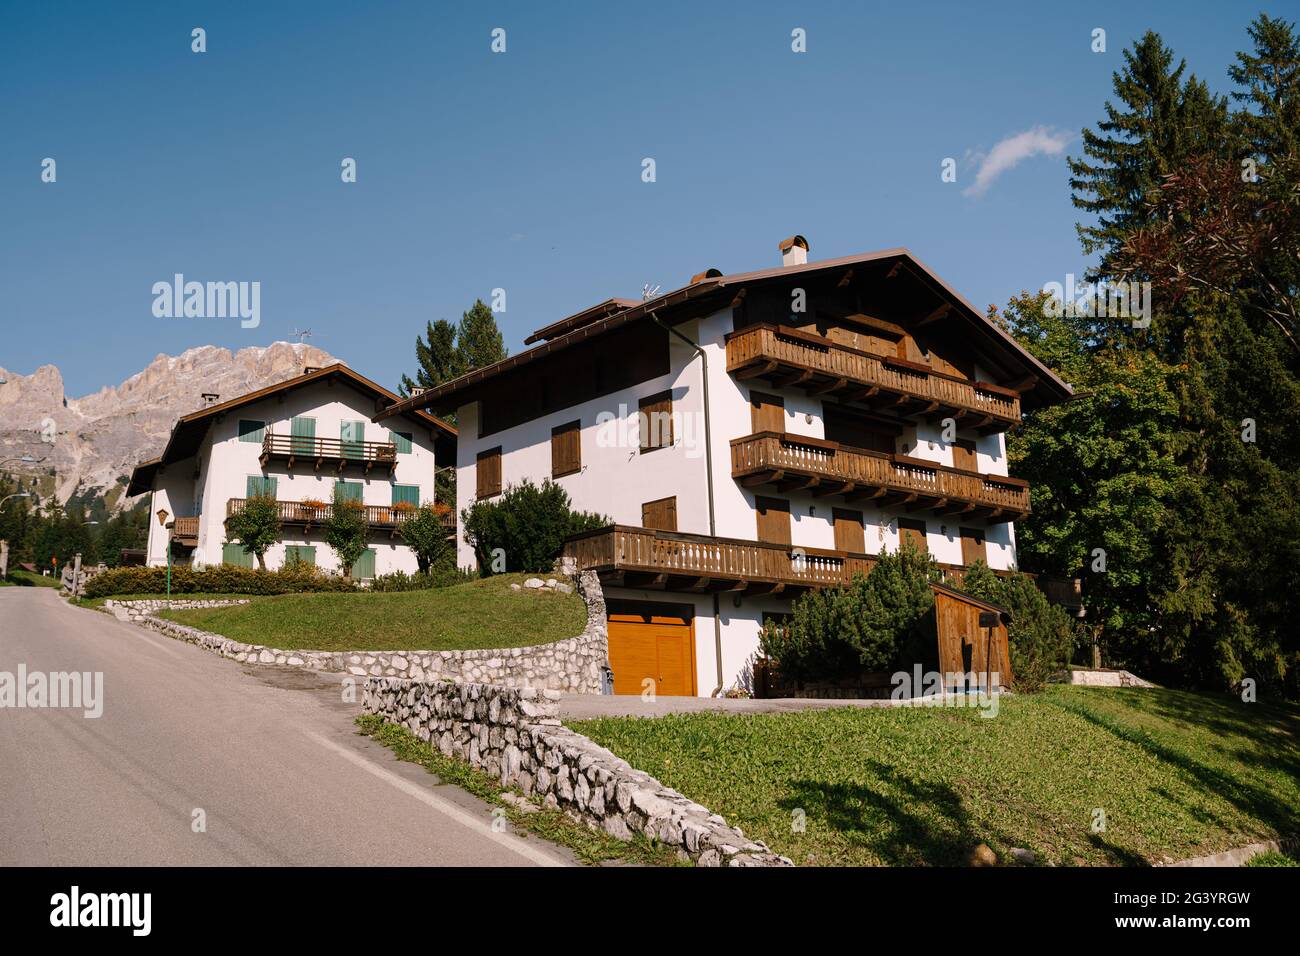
(588, 845)
(1273, 858)
(1177, 774)
(27, 579)
(484, 613)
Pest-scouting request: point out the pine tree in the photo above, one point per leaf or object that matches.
(438, 359)
(478, 340)
(1269, 78)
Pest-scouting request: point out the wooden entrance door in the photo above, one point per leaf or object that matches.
(652, 647)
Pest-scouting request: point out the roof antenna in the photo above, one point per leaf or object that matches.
(303, 334)
(648, 293)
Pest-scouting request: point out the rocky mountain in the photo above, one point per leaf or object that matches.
(92, 443)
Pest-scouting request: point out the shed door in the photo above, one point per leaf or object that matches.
(652, 642)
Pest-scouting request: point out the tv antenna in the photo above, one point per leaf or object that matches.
(303, 334)
(648, 293)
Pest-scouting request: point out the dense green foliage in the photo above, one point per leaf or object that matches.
(524, 529)
(345, 530)
(420, 581)
(876, 622)
(222, 579)
(256, 528)
(424, 532)
(1041, 635)
(1178, 774)
(1178, 459)
(38, 529)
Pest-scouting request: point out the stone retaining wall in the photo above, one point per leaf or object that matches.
(1107, 678)
(574, 665)
(515, 735)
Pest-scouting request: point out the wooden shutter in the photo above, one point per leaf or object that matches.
(300, 554)
(566, 449)
(257, 485)
(304, 436)
(364, 568)
(849, 533)
(250, 431)
(352, 437)
(914, 532)
(236, 555)
(963, 454)
(350, 490)
(488, 473)
(972, 546)
(401, 441)
(773, 520)
(406, 494)
(656, 421)
(661, 515)
(766, 412)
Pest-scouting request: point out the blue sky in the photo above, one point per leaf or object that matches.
(522, 170)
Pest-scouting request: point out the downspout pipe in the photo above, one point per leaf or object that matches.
(708, 469)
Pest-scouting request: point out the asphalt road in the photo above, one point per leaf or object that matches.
(268, 755)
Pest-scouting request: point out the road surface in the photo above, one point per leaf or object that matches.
(267, 758)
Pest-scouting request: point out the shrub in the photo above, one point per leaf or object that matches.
(223, 579)
(877, 621)
(425, 533)
(345, 531)
(528, 524)
(256, 527)
(401, 581)
(1041, 635)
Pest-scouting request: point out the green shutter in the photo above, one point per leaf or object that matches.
(304, 434)
(349, 489)
(351, 435)
(236, 555)
(402, 440)
(364, 569)
(257, 485)
(406, 493)
(300, 554)
(251, 431)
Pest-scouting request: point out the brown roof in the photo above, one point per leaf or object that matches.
(585, 317)
(187, 434)
(717, 287)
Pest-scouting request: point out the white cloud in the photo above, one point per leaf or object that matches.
(1012, 151)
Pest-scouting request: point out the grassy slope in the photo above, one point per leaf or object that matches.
(1178, 774)
(479, 614)
(27, 579)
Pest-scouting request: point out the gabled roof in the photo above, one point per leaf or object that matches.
(189, 430)
(713, 289)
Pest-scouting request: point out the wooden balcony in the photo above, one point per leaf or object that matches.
(795, 463)
(790, 357)
(307, 515)
(625, 556)
(185, 532)
(332, 452)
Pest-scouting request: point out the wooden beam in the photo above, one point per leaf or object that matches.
(867, 493)
(833, 489)
(791, 378)
(934, 316)
(739, 298)
(761, 478)
(798, 483)
(845, 279)
(834, 385)
(755, 371)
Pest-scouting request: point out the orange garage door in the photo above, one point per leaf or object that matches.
(654, 642)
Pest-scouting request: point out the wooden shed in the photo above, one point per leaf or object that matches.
(964, 646)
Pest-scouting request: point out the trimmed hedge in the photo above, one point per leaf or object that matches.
(401, 581)
(223, 579)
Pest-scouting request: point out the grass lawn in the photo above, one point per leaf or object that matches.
(1177, 774)
(27, 579)
(477, 614)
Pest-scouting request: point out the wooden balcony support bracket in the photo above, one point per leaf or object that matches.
(957, 508)
(761, 478)
(867, 493)
(790, 379)
(927, 503)
(844, 488)
(765, 589)
(834, 385)
(798, 483)
(756, 371)
(934, 316)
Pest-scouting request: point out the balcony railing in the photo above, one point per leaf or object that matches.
(792, 357)
(826, 467)
(186, 530)
(643, 558)
(319, 451)
(311, 515)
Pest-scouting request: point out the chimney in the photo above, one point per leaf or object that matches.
(209, 399)
(794, 251)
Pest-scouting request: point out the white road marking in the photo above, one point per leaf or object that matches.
(445, 807)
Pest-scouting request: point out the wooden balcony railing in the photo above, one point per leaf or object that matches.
(310, 515)
(789, 356)
(319, 451)
(186, 530)
(626, 556)
(825, 467)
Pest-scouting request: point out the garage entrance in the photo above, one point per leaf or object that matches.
(652, 641)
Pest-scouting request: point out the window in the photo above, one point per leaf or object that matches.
(258, 485)
(402, 441)
(236, 555)
(349, 490)
(661, 515)
(766, 412)
(406, 495)
(304, 436)
(488, 473)
(858, 431)
(912, 532)
(251, 431)
(972, 546)
(773, 520)
(655, 419)
(303, 554)
(566, 449)
(849, 535)
(364, 568)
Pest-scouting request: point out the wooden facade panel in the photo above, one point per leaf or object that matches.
(661, 514)
(773, 516)
(849, 532)
(963, 454)
(965, 646)
(656, 421)
(566, 449)
(488, 473)
(912, 532)
(972, 546)
(766, 412)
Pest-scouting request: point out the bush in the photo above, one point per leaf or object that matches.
(225, 579)
(439, 578)
(256, 527)
(527, 524)
(345, 531)
(1041, 634)
(425, 533)
(876, 622)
